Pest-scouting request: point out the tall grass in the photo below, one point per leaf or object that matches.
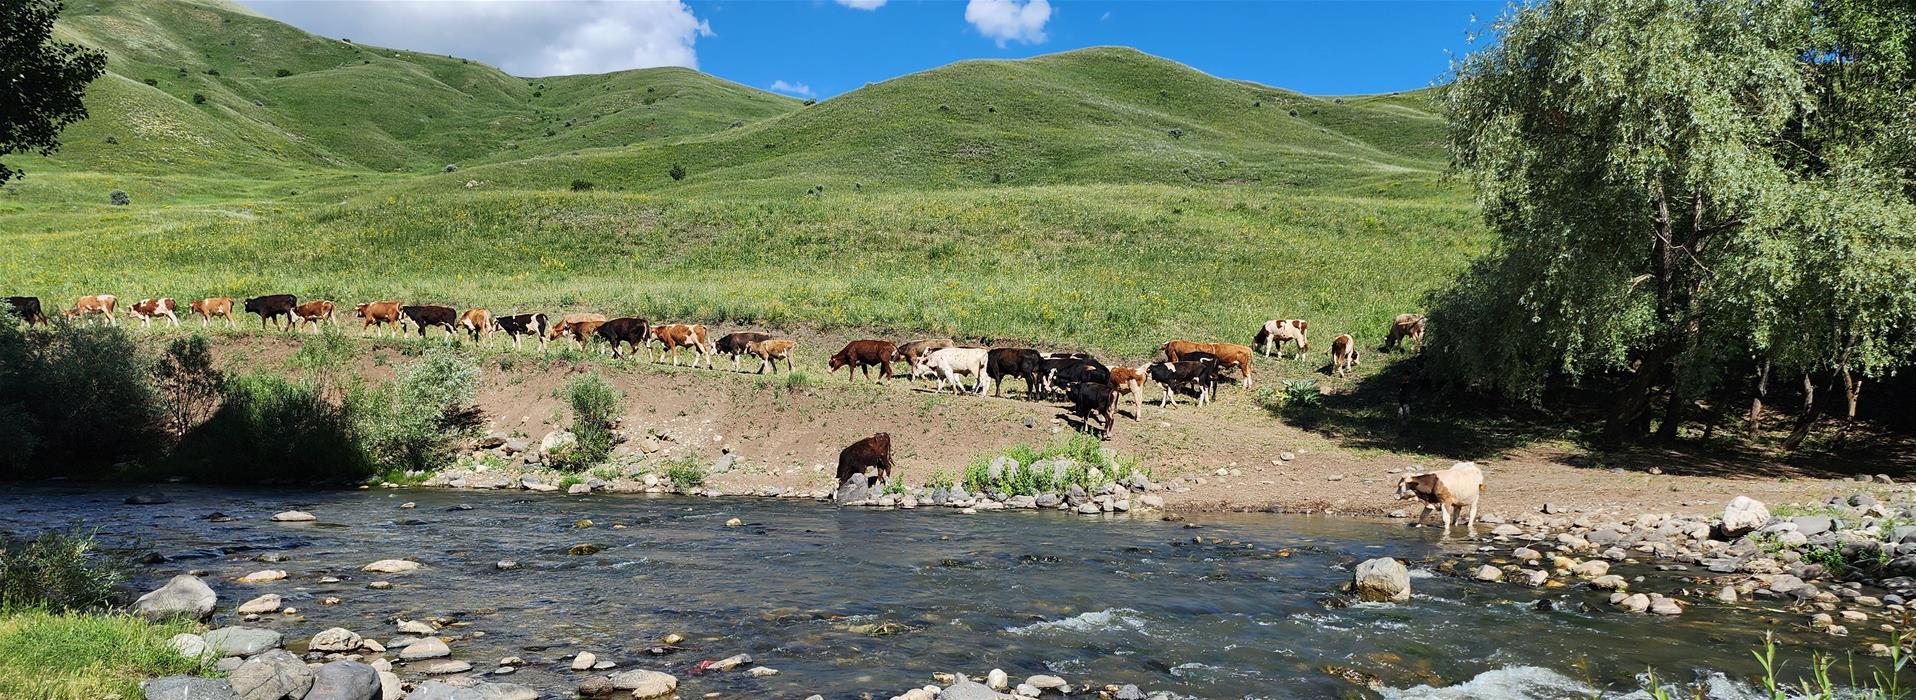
(87, 656)
(58, 571)
(1025, 476)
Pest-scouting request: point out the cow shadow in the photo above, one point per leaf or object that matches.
(1393, 407)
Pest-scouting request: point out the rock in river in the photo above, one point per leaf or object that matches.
(183, 595)
(344, 680)
(273, 675)
(439, 667)
(294, 516)
(963, 689)
(645, 684)
(1381, 579)
(264, 576)
(335, 639)
(391, 566)
(1742, 516)
(241, 641)
(268, 603)
(188, 688)
(428, 648)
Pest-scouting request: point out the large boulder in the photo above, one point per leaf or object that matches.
(1381, 579)
(188, 688)
(335, 639)
(345, 680)
(854, 489)
(269, 603)
(645, 684)
(428, 648)
(182, 595)
(1742, 516)
(240, 641)
(272, 675)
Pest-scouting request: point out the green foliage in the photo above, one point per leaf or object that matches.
(273, 430)
(595, 412)
(580, 185)
(82, 656)
(1033, 470)
(677, 172)
(45, 79)
(57, 571)
(429, 410)
(75, 402)
(323, 354)
(188, 383)
(685, 473)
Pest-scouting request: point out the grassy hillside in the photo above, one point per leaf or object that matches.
(1099, 198)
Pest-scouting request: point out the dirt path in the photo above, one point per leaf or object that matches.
(1229, 453)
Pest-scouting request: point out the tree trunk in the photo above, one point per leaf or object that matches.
(1852, 388)
(1755, 420)
(1807, 420)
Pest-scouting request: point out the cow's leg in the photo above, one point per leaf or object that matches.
(1472, 521)
(1445, 508)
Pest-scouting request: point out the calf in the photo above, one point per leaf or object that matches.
(1130, 380)
(214, 306)
(101, 304)
(374, 314)
(1276, 332)
(315, 313)
(1090, 399)
(1343, 355)
(950, 365)
(769, 352)
(862, 355)
(28, 309)
(519, 325)
(477, 323)
(1453, 488)
(870, 453)
(146, 309)
(911, 352)
(272, 306)
(1178, 376)
(429, 315)
(620, 332)
(1228, 355)
(570, 326)
(1058, 372)
(1023, 363)
(673, 336)
(1405, 327)
(737, 344)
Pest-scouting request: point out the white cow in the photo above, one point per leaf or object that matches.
(1456, 487)
(950, 364)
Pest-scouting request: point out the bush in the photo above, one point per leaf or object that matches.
(150, 81)
(188, 384)
(581, 185)
(75, 403)
(416, 424)
(119, 198)
(57, 571)
(677, 172)
(281, 73)
(273, 430)
(595, 408)
(685, 473)
(450, 168)
(1177, 133)
(199, 99)
(213, 72)
(1083, 453)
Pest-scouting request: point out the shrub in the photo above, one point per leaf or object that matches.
(810, 102)
(281, 73)
(677, 172)
(119, 198)
(74, 403)
(273, 430)
(450, 168)
(57, 571)
(188, 384)
(685, 473)
(1177, 133)
(581, 185)
(416, 424)
(322, 354)
(79, 655)
(199, 99)
(595, 407)
(213, 72)
(151, 82)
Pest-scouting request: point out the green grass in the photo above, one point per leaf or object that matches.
(80, 656)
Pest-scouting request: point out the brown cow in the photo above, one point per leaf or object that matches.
(567, 327)
(28, 309)
(374, 314)
(477, 323)
(1276, 332)
(910, 351)
(1130, 380)
(1406, 326)
(769, 352)
(862, 355)
(673, 336)
(1228, 355)
(1343, 355)
(870, 453)
(214, 306)
(736, 344)
(146, 309)
(315, 313)
(101, 304)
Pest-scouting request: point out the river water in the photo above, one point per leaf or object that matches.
(813, 591)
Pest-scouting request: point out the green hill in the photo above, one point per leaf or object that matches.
(1101, 197)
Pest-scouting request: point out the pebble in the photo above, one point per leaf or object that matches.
(266, 576)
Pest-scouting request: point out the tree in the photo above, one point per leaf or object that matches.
(1680, 187)
(41, 80)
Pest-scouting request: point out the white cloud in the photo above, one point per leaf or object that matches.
(1009, 20)
(522, 37)
(1105, 17)
(799, 89)
(862, 4)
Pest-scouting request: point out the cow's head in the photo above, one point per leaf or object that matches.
(1416, 486)
(837, 361)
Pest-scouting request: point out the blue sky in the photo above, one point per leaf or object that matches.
(821, 48)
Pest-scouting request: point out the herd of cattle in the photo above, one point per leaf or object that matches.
(1092, 388)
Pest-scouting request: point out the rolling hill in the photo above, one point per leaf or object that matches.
(1100, 197)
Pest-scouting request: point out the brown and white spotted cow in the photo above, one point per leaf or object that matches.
(146, 309)
(579, 327)
(95, 304)
(209, 307)
(315, 313)
(1276, 332)
(1343, 355)
(1455, 488)
(476, 323)
(1405, 327)
(677, 335)
(1228, 355)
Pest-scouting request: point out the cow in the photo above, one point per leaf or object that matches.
(950, 365)
(477, 323)
(1023, 363)
(214, 306)
(1276, 332)
(737, 344)
(28, 309)
(519, 325)
(1061, 370)
(272, 306)
(1130, 380)
(1092, 399)
(316, 313)
(673, 336)
(429, 315)
(569, 325)
(870, 453)
(146, 309)
(911, 352)
(1174, 377)
(101, 304)
(374, 314)
(1455, 488)
(1343, 355)
(1405, 327)
(862, 355)
(620, 332)
(770, 351)
(1228, 355)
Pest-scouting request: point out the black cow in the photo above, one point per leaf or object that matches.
(1057, 373)
(627, 330)
(1022, 363)
(735, 344)
(870, 453)
(428, 315)
(1184, 374)
(524, 324)
(1094, 398)
(273, 305)
(28, 309)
